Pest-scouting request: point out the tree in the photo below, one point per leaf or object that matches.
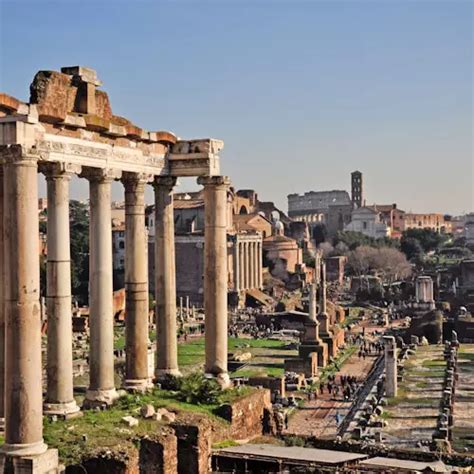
(388, 263)
(79, 221)
(411, 247)
(428, 239)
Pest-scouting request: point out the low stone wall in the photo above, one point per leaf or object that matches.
(246, 415)
(274, 384)
(184, 447)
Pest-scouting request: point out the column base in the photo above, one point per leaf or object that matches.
(27, 449)
(64, 410)
(45, 463)
(138, 385)
(162, 374)
(222, 379)
(100, 398)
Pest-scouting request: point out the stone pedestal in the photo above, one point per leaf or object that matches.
(101, 389)
(165, 279)
(391, 383)
(60, 396)
(45, 463)
(215, 275)
(136, 284)
(23, 371)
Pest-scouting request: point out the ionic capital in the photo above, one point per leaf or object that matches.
(132, 181)
(18, 155)
(217, 181)
(168, 182)
(100, 175)
(59, 170)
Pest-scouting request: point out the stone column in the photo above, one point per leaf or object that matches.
(242, 265)
(323, 315)
(136, 284)
(101, 318)
(391, 385)
(60, 394)
(251, 265)
(165, 279)
(260, 266)
(23, 371)
(236, 266)
(2, 306)
(215, 275)
(312, 302)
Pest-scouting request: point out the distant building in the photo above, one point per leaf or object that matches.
(357, 189)
(393, 217)
(245, 230)
(368, 221)
(282, 252)
(469, 229)
(118, 247)
(438, 222)
(332, 208)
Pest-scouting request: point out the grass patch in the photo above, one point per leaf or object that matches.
(225, 444)
(386, 415)
(434, 363)
(77, 437)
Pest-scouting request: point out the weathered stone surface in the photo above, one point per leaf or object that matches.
(147, 411)
(130, 421)
(120, 461)
(54, 94)
(164, 137)
(159, 453)
(133, 131)
(246, 415)
(102, 105)
(9, 103)
(194, 447)
(96, 123)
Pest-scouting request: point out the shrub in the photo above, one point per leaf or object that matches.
(196, 388)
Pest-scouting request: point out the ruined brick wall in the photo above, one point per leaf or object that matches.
(246, 415)
(194, 447)
(159, 453)
(112, 462)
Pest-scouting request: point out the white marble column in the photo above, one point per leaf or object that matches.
(242, 265)
(246, 265)
(23, 371)
(101, 318)
(253, 261)
(236, 266)
(260, 261)
(165, 279)
(136, 284)
(215, 275)
(60, 393)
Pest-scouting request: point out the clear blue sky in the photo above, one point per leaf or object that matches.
(302, 92)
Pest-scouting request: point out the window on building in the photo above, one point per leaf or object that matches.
(121, 244)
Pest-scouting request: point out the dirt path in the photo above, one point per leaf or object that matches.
(318, 417)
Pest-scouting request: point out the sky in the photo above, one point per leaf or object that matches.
(301, 92)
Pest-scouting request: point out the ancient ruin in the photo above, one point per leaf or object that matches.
(68, 129)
